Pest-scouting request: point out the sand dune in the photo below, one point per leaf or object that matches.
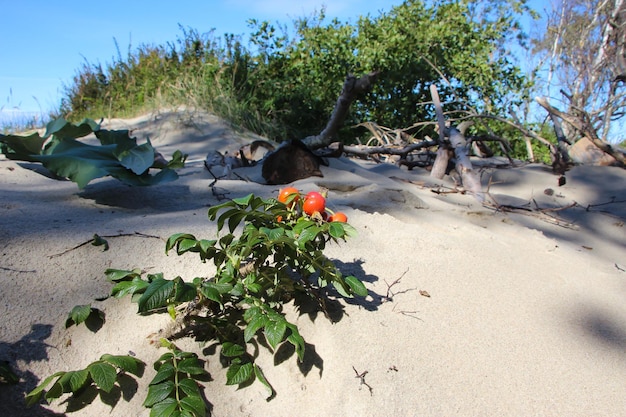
(526, 314)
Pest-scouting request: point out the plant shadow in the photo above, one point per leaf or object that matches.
(30, 348)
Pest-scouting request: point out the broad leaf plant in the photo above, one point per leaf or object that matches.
(267, 253)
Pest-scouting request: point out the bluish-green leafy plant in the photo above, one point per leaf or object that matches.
(118, 155)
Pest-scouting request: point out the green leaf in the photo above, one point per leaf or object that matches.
(137, 159)
(191, 366)
(275, 331)
(356, 286)
(174, 239)
(126, 363)
(7, 376)
(165, 371)
(54, 392)
(73, 381)
(225, 216)
(184, 291)
(296, 340)
(195, 405)
(116, 275)
(159, 392)
(256, 322)
(235, 220)
(118, 155)
(79, 162)
(156, 295)
(136, 286)
(189, 386)
(78, 315)
(213, 290)
(258, 372)
(165, 408)
(239, 373)
(103, 375)
(64, 129)
(34, 396)
(22, 147)
(231, 350)
(186, 245)
(335, 229)
(244, 201)
(308, 234)
(342, 289)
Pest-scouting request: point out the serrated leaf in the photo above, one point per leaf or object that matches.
(296, 340)
(123, 288)
(225, 216)
(103, 375)
(159, 392)
(165, 408)
(335, 229)
(257, 322)
(191, 366)
(195, 405)
(116, 275)
(189, 387)
(175, 238)
(126, 363)
(156, 295)
(260, 376)
(275, 331)
(78, 315)
(34, 396)
(341, 289)
(239, 373)
(232, 350)
(276, 233)
(244, 201)
(54, 392)
(308, 234)
(74, 380)
(186, 245)
(164, 372)
(356, 286)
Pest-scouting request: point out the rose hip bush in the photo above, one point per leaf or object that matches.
(267, 252)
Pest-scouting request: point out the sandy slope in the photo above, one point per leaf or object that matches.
(525, 317)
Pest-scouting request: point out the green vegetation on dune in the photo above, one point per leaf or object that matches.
(284, 82)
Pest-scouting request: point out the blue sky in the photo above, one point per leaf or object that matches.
(43, 43)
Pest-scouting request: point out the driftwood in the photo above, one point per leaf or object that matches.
(440, 166)
(295, 160)
(290, 162)
(458, 143)
(352, 88)
(582, 126)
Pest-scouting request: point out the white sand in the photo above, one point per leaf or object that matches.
(524, 318)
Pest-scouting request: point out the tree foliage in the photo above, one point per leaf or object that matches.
(284, 84)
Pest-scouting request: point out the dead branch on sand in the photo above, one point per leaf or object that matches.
(98, 240)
